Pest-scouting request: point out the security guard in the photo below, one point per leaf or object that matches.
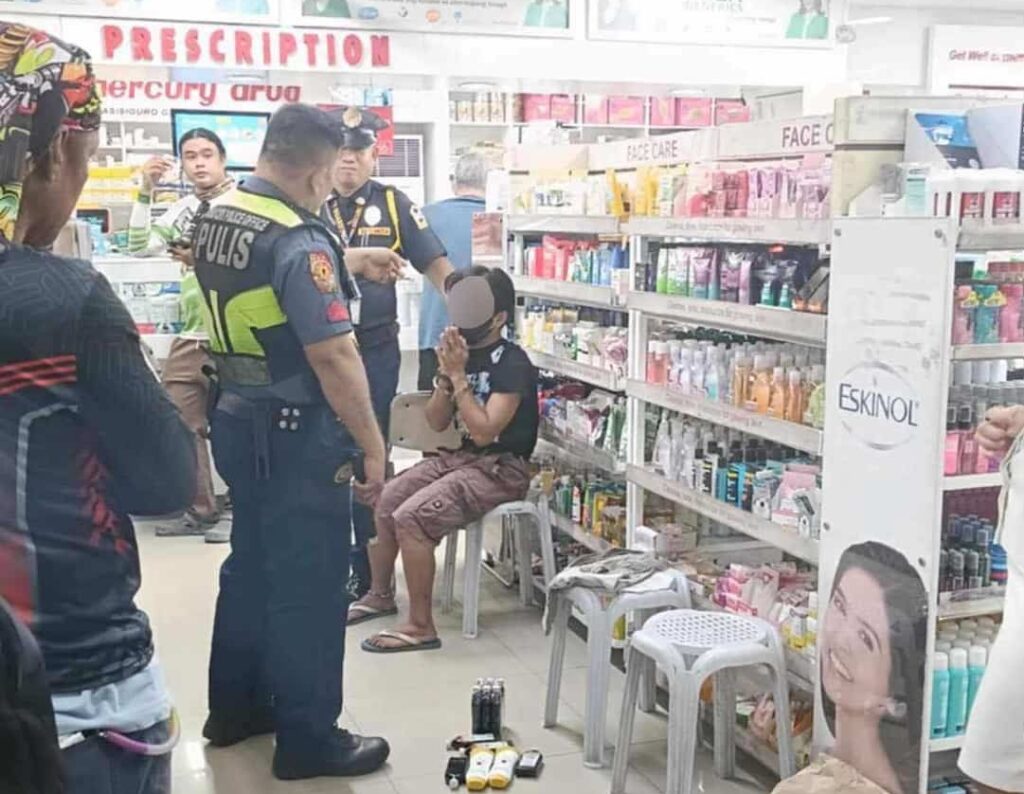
(278, 307)
(367, 213)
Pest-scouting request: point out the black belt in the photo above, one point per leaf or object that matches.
(377, 336)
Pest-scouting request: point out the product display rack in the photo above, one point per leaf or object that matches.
(733, 230)
(142, 270)
(563, 224)
(985, 352)
(970, 482)
(585, 373)
(566, 292)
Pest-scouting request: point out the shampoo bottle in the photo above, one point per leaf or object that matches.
(777, 401)
(976, 662)
(741, 381)
(956, 722)
(940, 694)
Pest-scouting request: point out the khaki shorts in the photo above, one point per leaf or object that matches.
(445, 493)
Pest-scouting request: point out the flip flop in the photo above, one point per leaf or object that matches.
(367, 613)
(409, 645)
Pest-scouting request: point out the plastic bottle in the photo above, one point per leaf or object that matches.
(814, 392)
(986, 316)
(741, 381)
(795, 398)
(965, 305)
(940, 695)
(1003, 201)
(777, 400)
(663, 268)
(971, 186)
(956, 720)
(977, 659)
(1010, 329)
(761, 390)
(968, 444)
(712, 386)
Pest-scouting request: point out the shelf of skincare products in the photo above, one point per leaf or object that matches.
(118, 268)
(787, 539)
(961, 656)
(560, 444)
(588, 508)
(595, 376)
(572, 263)
(584, 423)
(970, 482)
(565, 292)
(595, 543)
(972, 604)
(734, 230)
(987, 352)
(977, 386)
(992, 238)
(585, 344)
(552, 222)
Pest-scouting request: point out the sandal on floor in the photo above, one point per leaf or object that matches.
(409, 643)
(361, 613)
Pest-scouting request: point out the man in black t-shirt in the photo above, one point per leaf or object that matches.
(488, 387)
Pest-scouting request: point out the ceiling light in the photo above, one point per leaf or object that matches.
(477, 85)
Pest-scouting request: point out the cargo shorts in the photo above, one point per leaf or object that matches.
(445, 493)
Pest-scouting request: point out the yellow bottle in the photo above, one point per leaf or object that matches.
(777, 400)
(761, 391)
(795, 400)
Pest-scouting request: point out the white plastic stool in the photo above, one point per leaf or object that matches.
(510, 511)
(600, 615)
(689, 646)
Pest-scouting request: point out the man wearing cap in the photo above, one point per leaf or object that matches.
(367, 213)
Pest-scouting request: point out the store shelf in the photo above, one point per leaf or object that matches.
(995, 238)
(968, 482)
(984, 352)
(947, 745)
(566, 291)
(784, 324)
(972, 607)
(729, 230)
(581, 452)
(138, 269)
(595, 376)
(786, 539)
(789, 434)
(566, 526)
(563, 224)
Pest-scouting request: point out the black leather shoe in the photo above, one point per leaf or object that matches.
(346, 755)
(224, 730)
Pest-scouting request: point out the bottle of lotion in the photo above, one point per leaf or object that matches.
(940, 694)
(957, 720)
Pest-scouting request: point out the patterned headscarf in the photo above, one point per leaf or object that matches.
(45, 85)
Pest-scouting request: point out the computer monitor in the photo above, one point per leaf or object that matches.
(242, 133)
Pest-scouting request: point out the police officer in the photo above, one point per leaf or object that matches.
(279, 306)
(367, 213)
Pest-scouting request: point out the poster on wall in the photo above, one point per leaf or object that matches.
(878, 557)
(265, 11)
(496, 17)
(796, 23)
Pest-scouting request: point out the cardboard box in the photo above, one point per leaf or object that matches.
(731, 111)
(595, 109)
(563, 108)
(626, 110)
(693, 112)
(663, 111)
(536, 107)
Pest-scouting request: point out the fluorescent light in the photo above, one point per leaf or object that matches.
(477, 85)
(869, 21)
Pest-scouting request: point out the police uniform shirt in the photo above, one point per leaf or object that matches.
(367, 219)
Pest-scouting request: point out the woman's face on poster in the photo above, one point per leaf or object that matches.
(856, 654)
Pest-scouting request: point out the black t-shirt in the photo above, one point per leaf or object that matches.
(504, 368)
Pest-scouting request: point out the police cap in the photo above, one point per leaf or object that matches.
(359, 126)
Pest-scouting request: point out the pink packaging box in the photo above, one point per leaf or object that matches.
(731, 111)
(595, 109)
(536, 107)
(663, 112)
(626, 110)
(693, 112)
(563, 108)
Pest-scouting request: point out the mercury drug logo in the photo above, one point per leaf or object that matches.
(878, 406)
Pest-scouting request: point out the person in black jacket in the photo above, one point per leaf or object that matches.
(88, 436)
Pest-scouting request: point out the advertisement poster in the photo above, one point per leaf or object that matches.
(386, 136)
(878, 558)
(767, 22)
(510, 17)
(266, 11)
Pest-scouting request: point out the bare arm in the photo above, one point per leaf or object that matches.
(342, 377)
(375, 264)
(485, 422)
(438, 272)
(440, 411)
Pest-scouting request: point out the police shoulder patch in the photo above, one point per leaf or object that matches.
(321, 270)
(418, 217)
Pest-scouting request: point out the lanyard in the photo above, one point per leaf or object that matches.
(344, 230)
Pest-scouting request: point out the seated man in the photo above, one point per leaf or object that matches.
(488, 386)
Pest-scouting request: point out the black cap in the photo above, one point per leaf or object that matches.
(359, 126)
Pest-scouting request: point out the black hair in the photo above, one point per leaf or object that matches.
(203, 134)
(502, 288)
(301, 136)
(906, 607)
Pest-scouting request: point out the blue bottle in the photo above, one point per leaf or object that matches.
(976, 663)
(940, 694)
(956, 721)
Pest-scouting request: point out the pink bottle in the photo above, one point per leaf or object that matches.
(951, 462)
(965, 302)
(1010, 318)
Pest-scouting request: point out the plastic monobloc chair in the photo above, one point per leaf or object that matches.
(689, 646)
(600, 612)
(409, 430)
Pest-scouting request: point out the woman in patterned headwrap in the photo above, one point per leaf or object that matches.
(87, 437)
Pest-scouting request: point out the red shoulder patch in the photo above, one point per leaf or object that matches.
(337, 313)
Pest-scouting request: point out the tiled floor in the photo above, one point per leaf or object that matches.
(418, 701)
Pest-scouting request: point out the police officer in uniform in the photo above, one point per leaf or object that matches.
(279, 305)
(367, 213)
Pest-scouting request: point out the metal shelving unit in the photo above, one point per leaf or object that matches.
(595, 376)
(582, 451)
